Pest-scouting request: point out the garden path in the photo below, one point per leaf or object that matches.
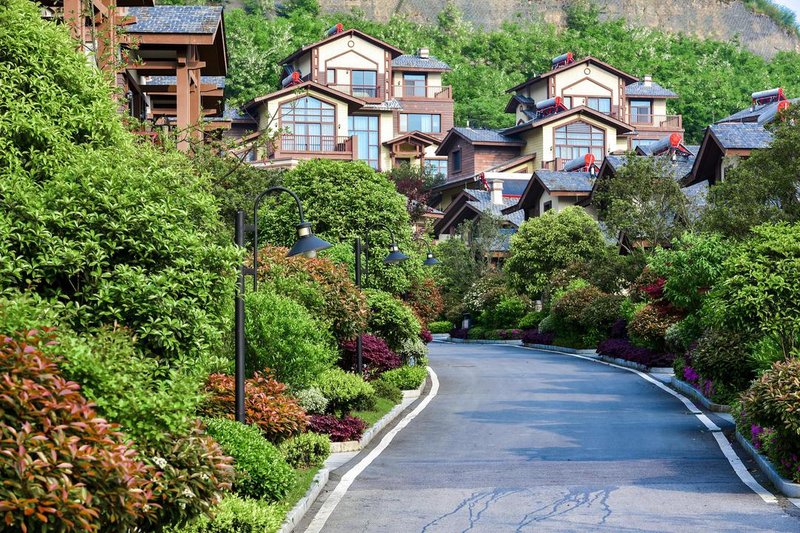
(525, 440)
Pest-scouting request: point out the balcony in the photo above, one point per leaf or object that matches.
(290, 146)
(365, 92)
(423, 92)
(655, 122)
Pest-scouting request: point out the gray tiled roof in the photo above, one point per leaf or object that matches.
(558, 180)
(741, 135)
(479, 135)
(640, 89)
(514, 187)
(679, 168)
(218, 81)
(697, 196)
(414, 61)
(522, 99)
(174, 19)
(760, 113)
(483, 202)
(232, 113)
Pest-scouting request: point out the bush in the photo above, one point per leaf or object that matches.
(602, 312)
(56, 450)
(426, 336)
(306, 450)
(324, 288)
(505, 314)
(388, 391)
(476, 333)
(391, 319)
(407, 377)
(548, 324)
(570, 308)
(425, 299)
(339, 429)
(649, 327)
(261, 471)
(532, 319)
(442, 326)
(238, 515)
(623, 349)
(345, 391)
(375, 353)
(412, 351)
(267, 407)
(312, 401)
(509, 334)
(764, 353)
(619, 329)
(459, 333)
(284, 337)
(533, 336)
(723, 357)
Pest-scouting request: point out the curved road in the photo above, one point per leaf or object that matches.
(525, 440)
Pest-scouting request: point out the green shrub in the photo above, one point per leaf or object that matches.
(532, 319)
(283, 336)
(441, 326)
(261, 471)
(389, 391)
(680, 335)
(505, 314)
(723, 356)
(476, 333)
(764, 353)
(312, 401)
(412, 351)
(601, 313)
(548, 324)
(649, 327)
(390, 319)
(406, 377)
(773, 398)
(306, 450)
(570, 307)
(234, 514)
(345, 391)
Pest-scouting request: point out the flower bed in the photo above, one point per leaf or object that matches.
(534, 336)
(623, 349)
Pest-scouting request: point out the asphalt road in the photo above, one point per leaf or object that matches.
(522, 440)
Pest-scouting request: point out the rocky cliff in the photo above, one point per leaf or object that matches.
(716, 19)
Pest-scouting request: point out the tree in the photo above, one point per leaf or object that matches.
(643, 202)
(415, 183)
(763, 188)
(549, 243)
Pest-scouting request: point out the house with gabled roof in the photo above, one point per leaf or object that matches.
(351, 96)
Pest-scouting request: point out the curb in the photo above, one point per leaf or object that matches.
(296, 514)
(792, 490)
(600, 357)
(484, 341)
(688, 390)
(554, 348)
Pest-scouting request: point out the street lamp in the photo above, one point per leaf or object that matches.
(307, 244)
(430, 260)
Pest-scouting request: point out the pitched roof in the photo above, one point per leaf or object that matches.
(741, 135)
(388, 105)
(352, 32)
(499, 168)
(639, 88)
(232, 113)
(679, 168)
(517, 99)
(482, 201)
(415, 61)
(697, 196)
(581, 109)
(587, 59)
(354, 102)
(174, 19)
(561, 181)
(423, 138)
(486, 136)
(761, 113)
(218, 81)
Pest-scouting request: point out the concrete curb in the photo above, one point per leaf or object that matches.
(296, 513)
(600, 357)
(792, 490)
(688, 390)
(554, 348)
(485, 341)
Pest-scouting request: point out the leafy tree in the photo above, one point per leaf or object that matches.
(549, 243)
(763, 188)
(414, 182)
(643, 202)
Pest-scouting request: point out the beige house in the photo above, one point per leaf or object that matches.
(351, 96)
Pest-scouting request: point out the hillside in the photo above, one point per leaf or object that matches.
(723, 20)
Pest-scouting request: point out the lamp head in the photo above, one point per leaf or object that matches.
(395, 255)
(307, 243)
(430, 260)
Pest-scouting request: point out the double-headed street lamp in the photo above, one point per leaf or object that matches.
(307, 244)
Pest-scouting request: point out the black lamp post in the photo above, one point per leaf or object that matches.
(307, 244)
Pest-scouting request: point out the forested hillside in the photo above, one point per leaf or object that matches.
(712, 78)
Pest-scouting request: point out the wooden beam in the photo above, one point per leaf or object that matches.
(183, 105)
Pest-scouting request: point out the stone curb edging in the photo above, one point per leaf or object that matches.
(688, 390)
(788, 488)
(554, 348)
(484, 341)
(600, 357)
(296, 513)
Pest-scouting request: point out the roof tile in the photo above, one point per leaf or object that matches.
(174, 19)
(414, 61)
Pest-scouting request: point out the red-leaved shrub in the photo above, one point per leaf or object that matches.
(425, 299)
(62, 467)
(533, 336)
(276, 414)
(376, 356)
(426, 336)
(339, 429)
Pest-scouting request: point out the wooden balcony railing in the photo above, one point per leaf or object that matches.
(367, 92)
(658, 122)
(305, 146)
(435, 92)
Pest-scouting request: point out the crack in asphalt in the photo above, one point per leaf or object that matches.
(470, 503)
(581, 498)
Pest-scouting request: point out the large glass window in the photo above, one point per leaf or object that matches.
(414, 85)
(579, 138)
(369, 148)
(364, 83)
(310, 124)
(420, 122)
(437, 167)
(599, 104)
(641, 111)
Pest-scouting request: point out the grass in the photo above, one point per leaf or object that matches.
(382, 406)
(303, 479)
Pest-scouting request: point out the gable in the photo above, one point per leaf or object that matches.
(587, 87)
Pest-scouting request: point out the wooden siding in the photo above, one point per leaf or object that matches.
(430, 106)
(476, 159)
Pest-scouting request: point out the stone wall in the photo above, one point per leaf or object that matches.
(717, 19)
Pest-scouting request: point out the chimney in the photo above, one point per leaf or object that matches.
(496, 187)
(648, 80)
(424, 53)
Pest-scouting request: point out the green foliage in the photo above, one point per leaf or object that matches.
(582, 316)
(759, 293)
(306, 450)
(782, 15)
(548, 324)
(345, 391)
(413, 351)
(261, 471)
(506, 314)
(723, 356)
(391, 319)
(772, 400)
(764, 353)
(532, 319)
(284, 337)
(548, 243)
(312, 401)
(691, 267)
(608, 270)
(389, 391)
(234, 514)
(406, 377)
(649, 326)
(440, 326)
(680, 335)
(457, 271)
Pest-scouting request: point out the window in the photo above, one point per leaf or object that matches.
(568, 102)
(414, 85)
(579, 138)
(364, 83)
(599, 104)
(642, 142)
(548, 205)
(456, 158)
(311, 125)
(641, 112)
(330, 76)
(437, 167)
(420, 122)
(366, 127)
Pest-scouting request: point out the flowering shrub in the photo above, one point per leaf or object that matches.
(649, 326)
(509, 334)
(345, 391)
(376, 356)
(312, 401)
(623, 349)
(276, 414)
(61, 464)
(533, 336)
(459, 333)
(339, 429)
(425, 336)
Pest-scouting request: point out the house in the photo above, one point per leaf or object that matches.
(352, 97)
(733, 138)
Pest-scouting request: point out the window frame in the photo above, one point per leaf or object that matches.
(457, 158)
(631, 107)
(591, 147)
(365, 90)
(415, 93)
(404, 128)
